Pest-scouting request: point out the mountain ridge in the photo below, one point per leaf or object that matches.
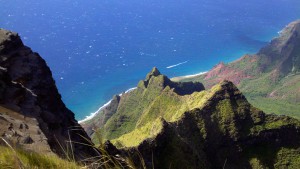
(146, 92)
(220, 129)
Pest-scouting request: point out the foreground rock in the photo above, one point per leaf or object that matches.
(32, 113)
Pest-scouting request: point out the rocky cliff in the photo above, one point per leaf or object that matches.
(32, 113)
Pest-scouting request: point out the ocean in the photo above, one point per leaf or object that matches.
(96, 49)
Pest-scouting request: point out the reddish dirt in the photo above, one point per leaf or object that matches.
(224, 72)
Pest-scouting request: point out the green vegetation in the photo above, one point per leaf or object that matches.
(190, 130)
(269, 79)
(276, 106)
(267, 156)
(153, 98)
(138, 135)
(19, 158)
(280, 97)
(287, 157)
(166, 105)
(217, 128)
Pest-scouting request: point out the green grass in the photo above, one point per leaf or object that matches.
(274, 122)
(147, 104)
(12, 155)
(266, 156)
(130, 108)
(15, 157)
(167, 105)
(276, 106)
(257, 87)
(225, 113)
(270, 87)
(287, 94)
(287, 158)
(138, 135)
(19, 158)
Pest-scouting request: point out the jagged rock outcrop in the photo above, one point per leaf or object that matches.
(32, 112)
(181, 88)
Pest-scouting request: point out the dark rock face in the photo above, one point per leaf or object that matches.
(27, 88)
(181, 88)
(27, 140)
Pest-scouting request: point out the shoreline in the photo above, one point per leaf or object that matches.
(187, 76)
(92, 115)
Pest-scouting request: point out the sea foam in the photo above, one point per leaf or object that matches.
(189, 76)
(168, 67)
(194, 75)
(92, 115)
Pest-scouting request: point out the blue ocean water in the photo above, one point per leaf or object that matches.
(96, 49)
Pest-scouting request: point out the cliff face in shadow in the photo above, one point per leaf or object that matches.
(32, 112)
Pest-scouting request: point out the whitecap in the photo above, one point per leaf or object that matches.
(92, 115)
(194, 75)
(168, 67)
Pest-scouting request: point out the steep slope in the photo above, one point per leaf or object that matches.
(215, 128)
(32, 113)
(270, 79)
(218, 128)
(136, 108)
(224, 132)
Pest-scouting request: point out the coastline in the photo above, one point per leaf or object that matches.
(187, 76)
(176, 78)
(92, 115)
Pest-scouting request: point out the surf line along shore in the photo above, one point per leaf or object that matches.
(92, 115)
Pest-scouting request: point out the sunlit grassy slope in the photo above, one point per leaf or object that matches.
(155, 97)
(219, 121)
(19, 158)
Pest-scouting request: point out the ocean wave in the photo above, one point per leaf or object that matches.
(127, 91)
(188, 76)
(168, 67)
(193, 75)
(92, 115)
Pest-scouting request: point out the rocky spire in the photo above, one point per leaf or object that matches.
(153, 72)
